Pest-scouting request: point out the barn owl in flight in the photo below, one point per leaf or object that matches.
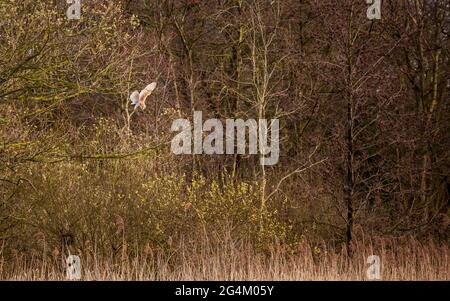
(138, 99)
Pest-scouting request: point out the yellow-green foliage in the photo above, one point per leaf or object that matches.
(109, 203)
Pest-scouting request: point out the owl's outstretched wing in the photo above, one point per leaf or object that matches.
(147, 91)
(151, 87)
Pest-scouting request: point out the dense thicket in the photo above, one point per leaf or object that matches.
(363, 106)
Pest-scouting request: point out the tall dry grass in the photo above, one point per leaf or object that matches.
(237, 260)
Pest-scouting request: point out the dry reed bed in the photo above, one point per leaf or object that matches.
(409, 260)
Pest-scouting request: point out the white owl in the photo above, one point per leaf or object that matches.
(138, 98)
